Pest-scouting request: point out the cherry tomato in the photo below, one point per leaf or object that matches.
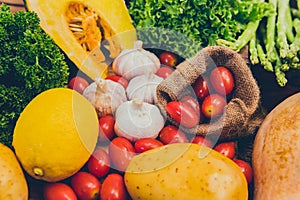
(146, 144)
(213, 106)
(55, 191)
(193, 102)
(222, 80)
(113, 188)
(86, 185)
(164, 72)
(118, 79)
(246, 169)
(168, 58)
(78, 84)
(99, 163)
(120, 151)
(201, 87)
(106, 127)
(171, 134)
(226, 148)
(202, 141)
(182, 113)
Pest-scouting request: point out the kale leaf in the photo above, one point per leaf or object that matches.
(184, 26)
(30, 63)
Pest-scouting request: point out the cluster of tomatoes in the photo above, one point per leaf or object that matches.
(102, 176)
(212, 90)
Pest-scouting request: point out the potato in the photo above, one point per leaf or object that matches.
(184, 171)
(276, 153)
(13, 184)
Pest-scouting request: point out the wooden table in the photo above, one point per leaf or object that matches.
(15, 5)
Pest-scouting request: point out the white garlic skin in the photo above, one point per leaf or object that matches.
(136, 119)
(144, 87)
(105, 101)
(134, 62)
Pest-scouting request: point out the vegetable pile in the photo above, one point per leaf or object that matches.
(270, 29)
(125, 102)
(184, 26)
(30, 63)
(135, 126)
(274, 41)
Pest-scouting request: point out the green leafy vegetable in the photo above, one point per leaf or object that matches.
(30, 63)
(196, 22)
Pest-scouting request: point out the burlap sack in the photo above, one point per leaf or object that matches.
(244, 101)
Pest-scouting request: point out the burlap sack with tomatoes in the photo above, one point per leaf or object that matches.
(240, 117)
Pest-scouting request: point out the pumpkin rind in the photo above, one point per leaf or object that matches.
(115, 17)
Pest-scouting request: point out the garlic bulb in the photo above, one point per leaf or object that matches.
(136, 61)
(105, 95)
(136, 119)
(144, 87)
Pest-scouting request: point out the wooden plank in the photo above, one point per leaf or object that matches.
(15, 5)
(13, 2)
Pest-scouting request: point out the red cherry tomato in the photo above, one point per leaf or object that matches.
(164, 72)
(168, 58)
(146, 144)
(201, 87)
(78, 84)
(106, 127)
(113, 188)
(193, 102)
(54, 191)
(202, 141)
(120, 151)
(222, 80)
(86, 185)
(99, 163)
(171, 134)
(182, 113)
(213, 106)
(246, 169)
(118, 79)
(226, 148)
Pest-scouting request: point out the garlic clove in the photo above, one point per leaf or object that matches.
(144, 87)
(105, 96)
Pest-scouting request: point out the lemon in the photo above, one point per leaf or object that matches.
(55, 134)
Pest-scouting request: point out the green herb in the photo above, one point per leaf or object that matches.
(183, 26)
(30, 63)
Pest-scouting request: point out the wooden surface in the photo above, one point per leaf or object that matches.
(15, 5)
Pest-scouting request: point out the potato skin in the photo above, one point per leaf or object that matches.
(13, 184)
(184, 171)
(276, 153)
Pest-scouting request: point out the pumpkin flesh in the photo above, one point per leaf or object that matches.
(90, 32)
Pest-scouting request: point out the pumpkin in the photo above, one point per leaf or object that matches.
(90, 32)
